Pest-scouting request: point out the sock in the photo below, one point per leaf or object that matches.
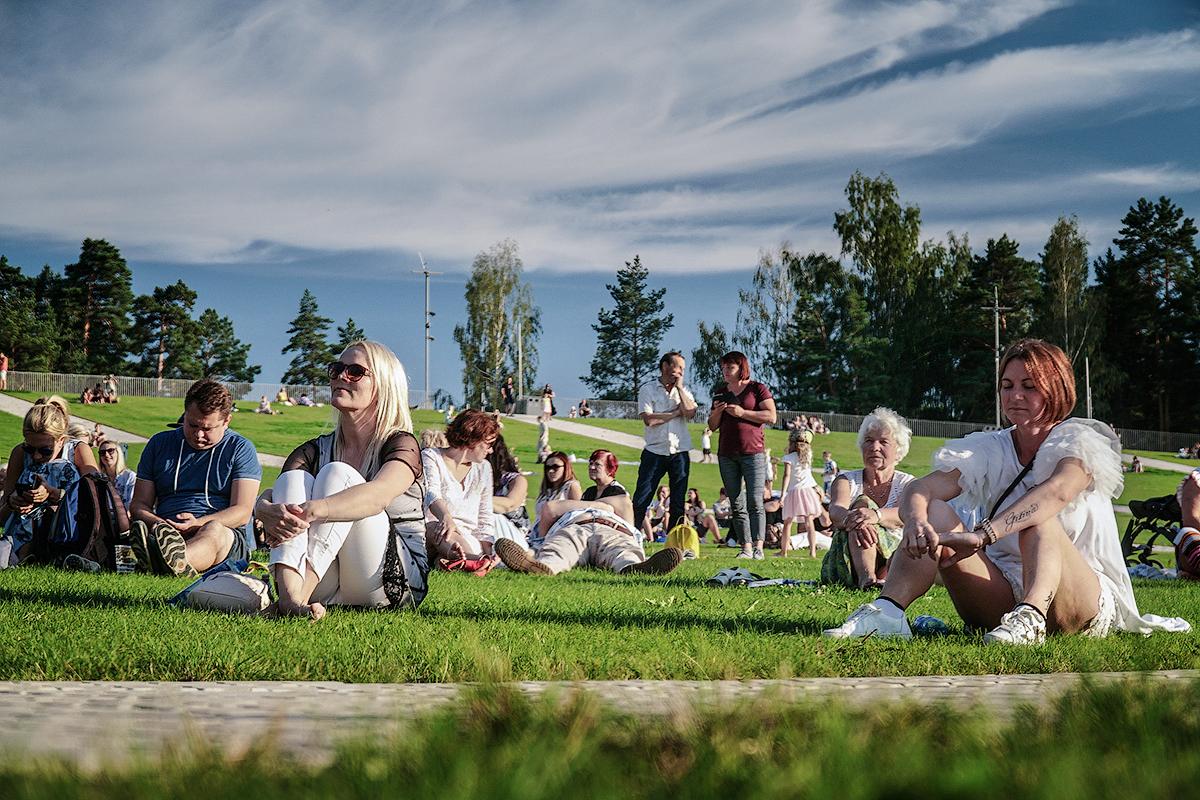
(890, 607)
(1180, 533)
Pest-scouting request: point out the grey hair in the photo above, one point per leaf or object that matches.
(891, 423)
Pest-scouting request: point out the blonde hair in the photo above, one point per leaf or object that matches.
(48, 415)
(391, 402)
(77, 430)
(804, 451)
(433, 437)
(119, 465)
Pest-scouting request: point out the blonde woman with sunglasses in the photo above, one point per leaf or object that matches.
(345, 519)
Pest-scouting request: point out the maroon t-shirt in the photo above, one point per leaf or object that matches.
(739, 437)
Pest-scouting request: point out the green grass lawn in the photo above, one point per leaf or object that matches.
(1095, 742)
(1173, 457)
(582, 625)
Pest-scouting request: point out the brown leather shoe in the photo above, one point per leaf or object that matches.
(662, 562)
(516, 559)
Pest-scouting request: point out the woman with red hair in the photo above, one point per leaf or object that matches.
(458, 492)
(1046, 556)
(602, 469)
(740, 409)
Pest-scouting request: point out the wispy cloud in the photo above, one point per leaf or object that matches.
(587, 131)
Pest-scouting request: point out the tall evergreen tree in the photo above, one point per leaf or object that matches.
(348, 334)
(96, 302)
(628, 335)
(29, 339)
(499, 303)
(220, 353)
(308, 339)
(165, 337)
(1150, 335)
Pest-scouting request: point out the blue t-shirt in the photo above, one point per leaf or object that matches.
(204, 480)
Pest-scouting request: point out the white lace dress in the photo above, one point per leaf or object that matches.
(987, 464)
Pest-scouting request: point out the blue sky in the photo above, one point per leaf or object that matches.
(258, 149)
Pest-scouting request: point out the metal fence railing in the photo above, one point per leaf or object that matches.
(71, 386)
(1160, 441)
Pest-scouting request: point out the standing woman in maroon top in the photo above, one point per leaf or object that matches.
(740, 409)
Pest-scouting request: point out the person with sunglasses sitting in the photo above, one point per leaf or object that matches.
(112, 464)
(195, 489)
(41, 470)
(345, 519)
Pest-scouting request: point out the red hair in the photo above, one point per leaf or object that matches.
(739, 358)
(470, 428)
(1051, 372)
(607, 459)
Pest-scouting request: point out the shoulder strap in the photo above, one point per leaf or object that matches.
(1004, 495)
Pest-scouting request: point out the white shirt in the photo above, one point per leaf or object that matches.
(801, 474)
(470, 502)
(987, 464)
(669, 437)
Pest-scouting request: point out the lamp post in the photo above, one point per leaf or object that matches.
(425, 403)
(996, 308)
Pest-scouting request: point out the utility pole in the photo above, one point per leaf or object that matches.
(425, 403)
(1087, 373)
(996, 308)
(520, 360)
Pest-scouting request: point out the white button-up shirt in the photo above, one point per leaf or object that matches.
(669, 437)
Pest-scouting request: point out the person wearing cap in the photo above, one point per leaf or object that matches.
(195, 490)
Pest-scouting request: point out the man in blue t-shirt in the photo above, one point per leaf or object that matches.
(195, 491)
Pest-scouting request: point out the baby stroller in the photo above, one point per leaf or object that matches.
(1161, 517)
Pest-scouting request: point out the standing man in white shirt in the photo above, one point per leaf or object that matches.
(666, 407)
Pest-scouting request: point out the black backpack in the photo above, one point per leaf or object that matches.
(99, 522)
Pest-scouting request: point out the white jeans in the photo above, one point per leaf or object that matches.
(347, 557)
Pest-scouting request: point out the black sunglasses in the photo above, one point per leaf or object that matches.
(108, 450)
(30, 449)
(354, 372)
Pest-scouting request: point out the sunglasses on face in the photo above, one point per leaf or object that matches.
(109, 451)
(553, 467)
(354, 372)
(45, 451)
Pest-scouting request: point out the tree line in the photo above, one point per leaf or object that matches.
(906, 321)
(88, 320)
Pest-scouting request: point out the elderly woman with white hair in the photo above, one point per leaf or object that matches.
(864, 504)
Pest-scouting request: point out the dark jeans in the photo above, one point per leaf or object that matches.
(650, 472)
(744, 478)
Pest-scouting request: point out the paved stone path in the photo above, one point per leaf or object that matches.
(1158, 463)
(18, 408)
(93, 723)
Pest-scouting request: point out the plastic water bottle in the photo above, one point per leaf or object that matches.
(926, 625)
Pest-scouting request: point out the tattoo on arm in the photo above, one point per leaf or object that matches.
(1015, 518)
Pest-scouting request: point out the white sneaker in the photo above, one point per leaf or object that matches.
(871, 619)
(745, 554)
(1022, 625)
(758, 554)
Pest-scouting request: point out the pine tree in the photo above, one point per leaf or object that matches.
(97, 298)
(628, 335)
(26, 337)
(165, 337)
(220, 353)
(309, 341)
(348, 334)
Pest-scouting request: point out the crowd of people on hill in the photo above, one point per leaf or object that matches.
(1018, 523)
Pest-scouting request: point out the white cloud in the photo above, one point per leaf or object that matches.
(587, 132)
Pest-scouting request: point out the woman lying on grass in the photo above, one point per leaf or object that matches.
(1047, 556)
(345, 520)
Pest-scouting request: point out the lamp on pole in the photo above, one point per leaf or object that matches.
(996, 308)
(425, 403)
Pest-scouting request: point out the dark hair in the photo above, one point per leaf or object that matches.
(470, 428)
(739, 358)
(207, 396)
(502, 461)
(610, 461)
(568, 472)
(667, 356)
(1051, 372)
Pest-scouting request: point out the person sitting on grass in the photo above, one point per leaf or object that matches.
(458, 493)
(589, 533)
(41, 471)
(602, 470)
(195, 489)
(510, 489)
(1187, 540)
(864, 505)
(347, 498)
(112, 464)
(654, 524)
(702, 518)
(305, 400)
(1046, 557)
(264, 406)
(558, 483)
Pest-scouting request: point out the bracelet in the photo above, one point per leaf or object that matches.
(989, 533)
